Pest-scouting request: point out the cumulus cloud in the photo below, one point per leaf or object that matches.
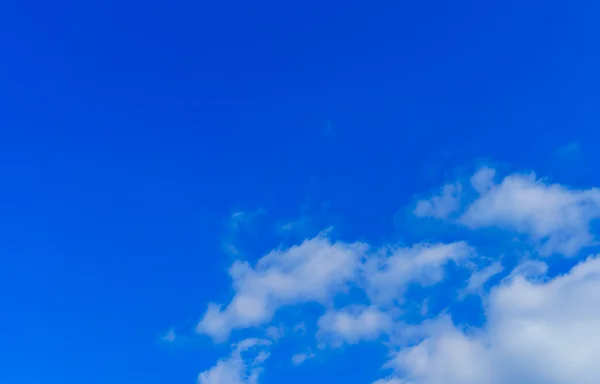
(448, 357)
(310, 272)
(388, 273)
(354, 324)
(538, 329)
(317, 270)
(243, 366)
(442, 205)
(556, 217)
(483, 179)
(537, 332)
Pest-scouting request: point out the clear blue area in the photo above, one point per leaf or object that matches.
(131, 130)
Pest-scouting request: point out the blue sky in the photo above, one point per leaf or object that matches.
(146, 148)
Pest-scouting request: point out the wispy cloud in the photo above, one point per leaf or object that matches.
(169, 337)
(300, 358)
(569, 150)
(237, 222)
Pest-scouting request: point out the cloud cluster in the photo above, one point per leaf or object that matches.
(555, 217)
(537, 332)
(388, 272)
(316, 271)
(313, 271)
(538, 329)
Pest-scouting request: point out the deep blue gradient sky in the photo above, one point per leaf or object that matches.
(130, 131)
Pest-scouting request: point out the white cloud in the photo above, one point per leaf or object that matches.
(483, 179)
(300, 358)
(243, 366)
(556, 217)
(537, 332)
(316, 271)
(530, 269)
(479, 278)
(447, 357)
(388, 274)
(311, 272)
(390, 380)
(442, 205)
(354, 324)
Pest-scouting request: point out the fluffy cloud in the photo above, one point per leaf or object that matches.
(243, 366)
(446, 357)
(537, 332)
(442, 205)
(483, 179)
(555, 217)
(353, 324)
(317, 270)
(388, 273)
(310, 272)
